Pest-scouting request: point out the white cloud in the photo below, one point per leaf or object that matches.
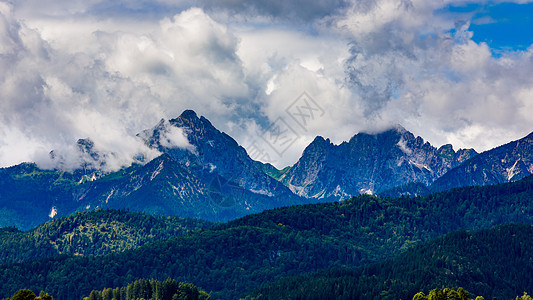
(175, 138)
(54, 96)
(409, 69)
(169, 136)
(108, 70)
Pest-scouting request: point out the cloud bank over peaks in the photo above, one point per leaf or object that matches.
(424, 71)
(108, 70)
(52, 97)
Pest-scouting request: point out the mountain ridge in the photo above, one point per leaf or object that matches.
(476, 261)
(204, 173)
(217, 151)
(505, 163)
(91, 233)
(370, 163)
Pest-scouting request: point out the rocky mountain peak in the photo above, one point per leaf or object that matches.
(189, 114)
(86, 146)
(214, 152)
(391, 135)
(369, 162)
(190, 120)
(463, 155)
(448, 148)
(318, 144)
(505, 163)
(399, 129)
(529, 136)
(446, 151)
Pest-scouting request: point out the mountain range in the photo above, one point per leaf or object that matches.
(370, 163)
(204, 173)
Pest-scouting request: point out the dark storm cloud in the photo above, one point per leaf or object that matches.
(298, 10)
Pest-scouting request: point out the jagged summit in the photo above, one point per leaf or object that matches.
(203, 172)
(446, 148)
(369, 163)
(214, 152)
(505, 163)
(190, 121)
(188, 114)
(320, 141)
(86, 146)
(399, 128)
(391, 132)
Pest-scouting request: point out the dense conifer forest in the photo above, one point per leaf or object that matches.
(92, 233)
(489, 263)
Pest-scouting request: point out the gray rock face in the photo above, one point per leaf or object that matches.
(166, 186)
(510, 162)
(216, 152)
(369, 163)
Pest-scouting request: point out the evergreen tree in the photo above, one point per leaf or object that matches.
(524, 297)
(44, 296)
(24, 294)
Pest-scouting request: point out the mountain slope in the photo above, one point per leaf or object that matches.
(233, 258)
(369, 164)
(28, 195)
(202, 173)
(491, 263)
(91, 233)
(215, 151)
(166, 186)
(506, 163)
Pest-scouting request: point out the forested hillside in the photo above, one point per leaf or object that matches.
(233, 258)
(489, 263)
(92, 233)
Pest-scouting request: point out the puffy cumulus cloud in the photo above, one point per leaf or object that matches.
(48, 103)
(169, 136)
(52, 97)
(299, 105)
(477, 101)
(282, 64)
(421, 69)
(189, 54)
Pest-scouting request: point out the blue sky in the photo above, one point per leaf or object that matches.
(454, 72)
(503, 26)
